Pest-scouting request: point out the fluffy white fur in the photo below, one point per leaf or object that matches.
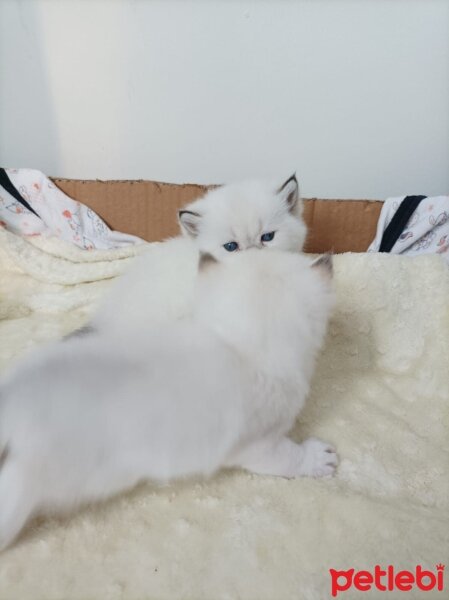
(159, 285)
(238, 534)
(93, 415)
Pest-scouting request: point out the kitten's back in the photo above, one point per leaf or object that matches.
(273, 306)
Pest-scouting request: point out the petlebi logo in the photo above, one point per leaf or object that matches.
(387, 579)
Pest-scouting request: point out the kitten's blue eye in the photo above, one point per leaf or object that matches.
(231, 246)
(267, 237)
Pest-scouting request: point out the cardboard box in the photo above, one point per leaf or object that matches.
(148, 209)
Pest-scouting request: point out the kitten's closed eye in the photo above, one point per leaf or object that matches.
(231, 246)
(267, 237)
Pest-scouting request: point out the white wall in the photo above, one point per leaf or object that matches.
(353, 94)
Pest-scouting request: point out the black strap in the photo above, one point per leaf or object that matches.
(400, 219)
(6, 183)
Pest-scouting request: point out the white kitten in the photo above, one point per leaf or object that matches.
(160, 283)
(93, 415)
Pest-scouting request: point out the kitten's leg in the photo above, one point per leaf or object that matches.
(15, 502)
(285, 458)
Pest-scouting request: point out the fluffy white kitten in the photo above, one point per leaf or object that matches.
(93, 415)
(232, 218)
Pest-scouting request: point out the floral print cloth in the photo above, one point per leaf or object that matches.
(427, 231)
(57, 214)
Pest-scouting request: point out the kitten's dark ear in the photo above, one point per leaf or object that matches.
(325, 264)
(189, 222)
(289, 192)
(207, 261)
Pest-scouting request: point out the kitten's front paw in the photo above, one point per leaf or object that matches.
(319, 458)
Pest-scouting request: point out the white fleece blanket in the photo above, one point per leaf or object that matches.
(380, 394)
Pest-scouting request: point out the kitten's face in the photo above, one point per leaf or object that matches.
(247, 215)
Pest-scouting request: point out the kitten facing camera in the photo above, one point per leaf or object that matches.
(89, 417)
(229, 219)
(246, 215)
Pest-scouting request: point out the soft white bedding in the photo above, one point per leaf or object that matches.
(380, 394)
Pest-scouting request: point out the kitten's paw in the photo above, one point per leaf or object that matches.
(319, 458)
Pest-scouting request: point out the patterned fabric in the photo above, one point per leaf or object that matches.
(427, 231)
(59, 215)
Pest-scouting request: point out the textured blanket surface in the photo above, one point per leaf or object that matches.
(380, 394)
